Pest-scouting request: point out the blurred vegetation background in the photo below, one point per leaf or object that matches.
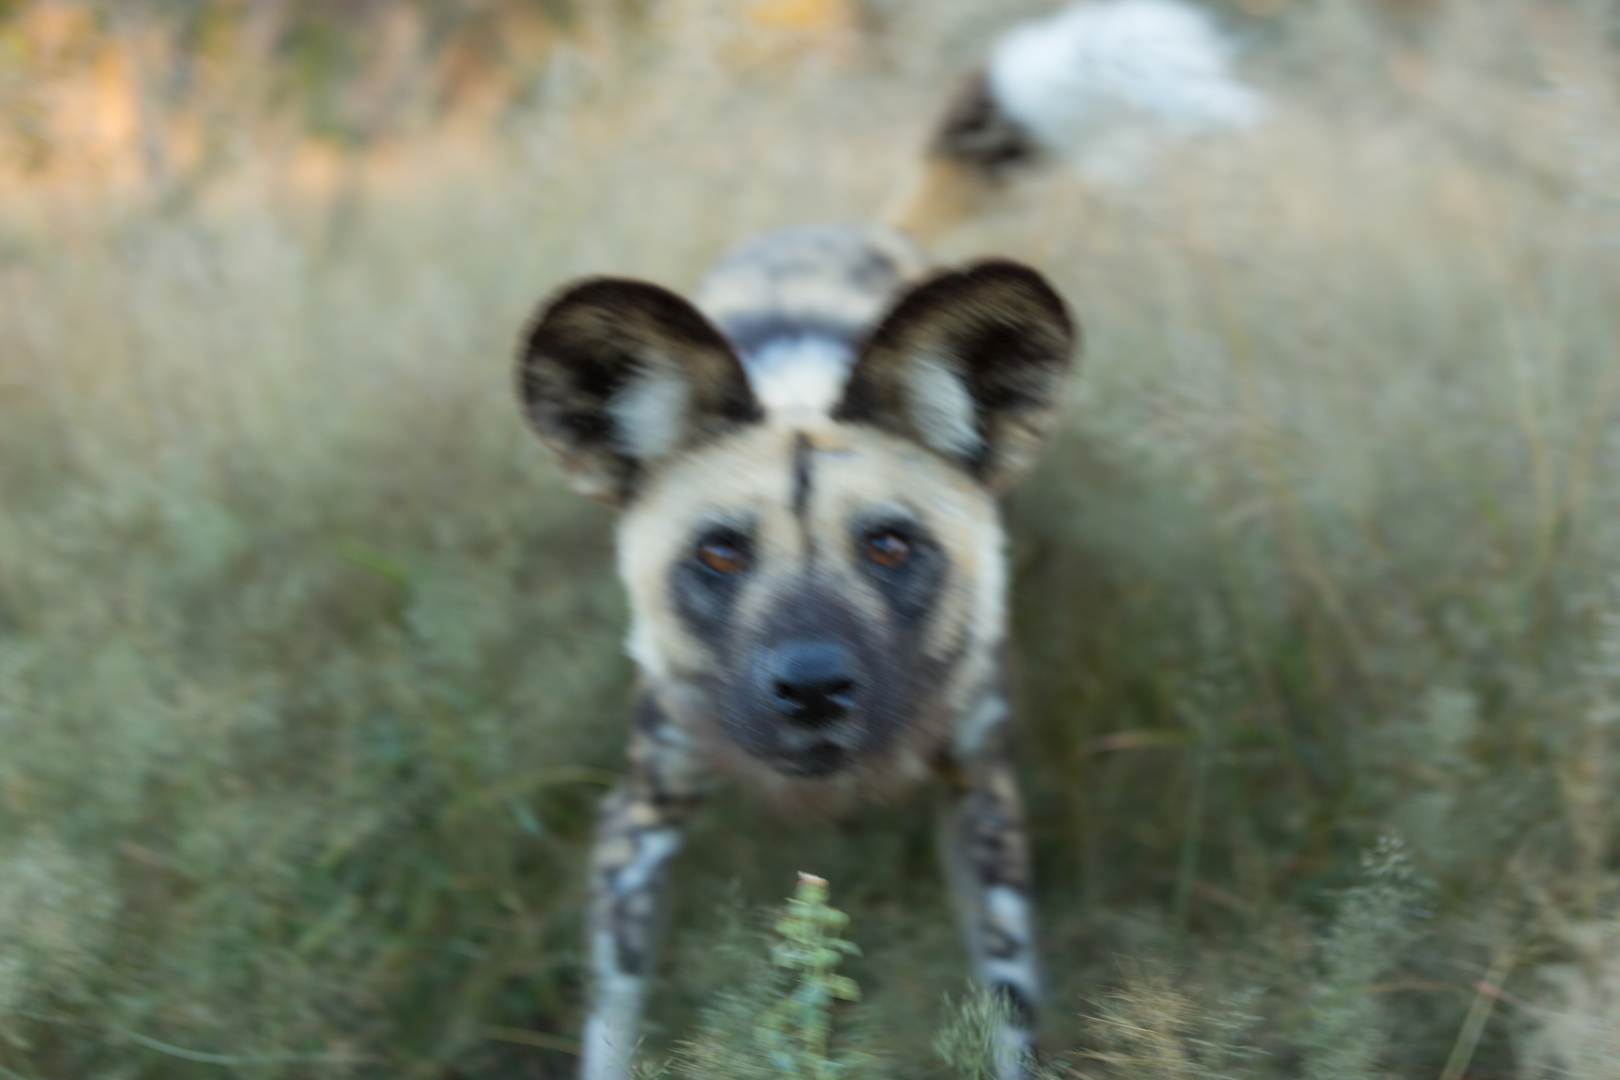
(310, 671)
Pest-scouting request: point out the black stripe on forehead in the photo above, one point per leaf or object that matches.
(801, 474)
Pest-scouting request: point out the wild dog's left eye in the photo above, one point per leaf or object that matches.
(722, 555)
(888, 549)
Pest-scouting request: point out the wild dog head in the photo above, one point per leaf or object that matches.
(816, 576)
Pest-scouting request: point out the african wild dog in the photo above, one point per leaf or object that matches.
(812, 548)
(808, 458)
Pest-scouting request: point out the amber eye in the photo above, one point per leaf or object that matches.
(722, 556)
(888, 549)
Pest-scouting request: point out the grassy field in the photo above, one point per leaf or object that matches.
(310, 672)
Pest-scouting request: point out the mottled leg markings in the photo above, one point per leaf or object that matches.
(639, 829)
(986, 858)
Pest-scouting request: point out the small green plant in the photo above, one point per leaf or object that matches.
(795, 1032)
(782, 1024)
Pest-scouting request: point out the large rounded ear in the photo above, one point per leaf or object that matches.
(617, 375)
(971, 364)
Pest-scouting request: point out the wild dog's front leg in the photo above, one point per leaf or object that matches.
(986, 856)
(639, 829)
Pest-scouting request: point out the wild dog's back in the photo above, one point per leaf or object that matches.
(797, 303)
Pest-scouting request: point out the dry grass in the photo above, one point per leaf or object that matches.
(309, 670)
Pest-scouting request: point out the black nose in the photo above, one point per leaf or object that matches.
(811, 682)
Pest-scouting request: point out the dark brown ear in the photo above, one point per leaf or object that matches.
(971, 364)
(617, 375)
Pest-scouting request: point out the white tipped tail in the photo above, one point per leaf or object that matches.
(1103, 84)
(1154, 62)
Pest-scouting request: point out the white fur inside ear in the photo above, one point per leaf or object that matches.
(940, 407)
(650, 414)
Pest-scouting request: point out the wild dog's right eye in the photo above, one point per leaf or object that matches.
(723, 554)
(888, 549)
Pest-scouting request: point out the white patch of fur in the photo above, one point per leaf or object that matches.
(650, 414)
(799, 375)
(940, 407)
(641, 644)
(990, 602)
(1014, 1045)
(608, 1043)
(1106, 83)
(653, 848)
(975, 725)
(1010, 910)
